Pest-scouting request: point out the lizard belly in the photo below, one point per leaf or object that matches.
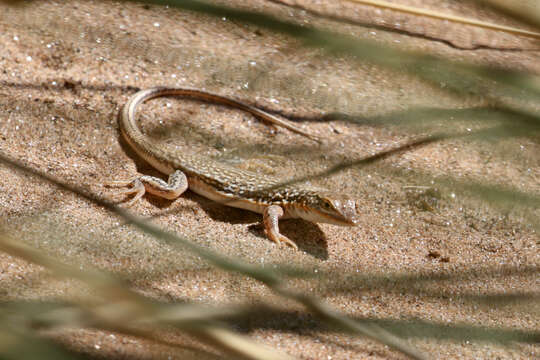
(209, 192)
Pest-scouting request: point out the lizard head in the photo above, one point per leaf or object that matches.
(329, 208)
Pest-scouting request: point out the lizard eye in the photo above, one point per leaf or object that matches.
(327, 205)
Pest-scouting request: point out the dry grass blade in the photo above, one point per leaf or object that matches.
(14, 345)
(460, 78)
(458, 332)
(332, 317)
(443, 16)
(527, 11)
(519, 123)
(500, 196)
(122, 309)
(236, 342)
(268, 277)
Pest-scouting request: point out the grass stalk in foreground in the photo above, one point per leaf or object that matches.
(266, 276)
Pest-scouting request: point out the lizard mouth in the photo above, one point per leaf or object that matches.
(338, 219)
(343, 218)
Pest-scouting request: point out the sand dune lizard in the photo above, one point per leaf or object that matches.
(224, 183)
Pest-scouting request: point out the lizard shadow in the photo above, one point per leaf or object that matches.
(308, 236)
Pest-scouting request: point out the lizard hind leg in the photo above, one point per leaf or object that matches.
(173, 188)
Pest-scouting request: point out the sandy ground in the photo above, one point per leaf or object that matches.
(68, 67)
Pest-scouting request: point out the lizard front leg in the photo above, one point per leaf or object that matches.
(271, 216)
(173, 188)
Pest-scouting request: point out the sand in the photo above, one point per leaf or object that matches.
(68, 67)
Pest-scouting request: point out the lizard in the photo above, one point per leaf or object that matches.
(224, 183)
